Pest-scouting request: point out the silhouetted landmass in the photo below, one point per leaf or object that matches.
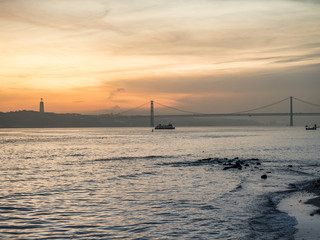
(32, 119)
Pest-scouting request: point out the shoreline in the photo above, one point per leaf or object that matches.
(304, 206)
(314, 187)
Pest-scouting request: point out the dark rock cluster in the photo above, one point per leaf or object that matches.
(227, 164)
(313, 187)
(234, 163)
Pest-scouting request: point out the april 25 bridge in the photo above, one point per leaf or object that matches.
(254, 112)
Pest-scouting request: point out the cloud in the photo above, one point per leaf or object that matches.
(228, 92)
(299, 58)
(306, 1)
(57, 14)
(178, 51)
(218, 29)
(113, 93)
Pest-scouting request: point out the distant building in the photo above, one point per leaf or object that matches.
(41, 106)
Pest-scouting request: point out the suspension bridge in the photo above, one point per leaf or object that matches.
(246, 113)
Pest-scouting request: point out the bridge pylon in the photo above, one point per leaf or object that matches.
(291, 112)
(151, 114)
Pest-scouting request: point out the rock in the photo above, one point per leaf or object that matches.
(313, 187)
(264, 176)
(236, 165)
(291, 185)
(258, 163)
(289, 165)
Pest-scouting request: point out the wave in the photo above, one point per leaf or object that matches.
(11, 208)
(219, 161)
(135, 175)
(269, 222)
(76, 155)
(228, 136)
(135, 158)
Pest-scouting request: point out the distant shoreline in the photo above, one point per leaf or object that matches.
(33, 119)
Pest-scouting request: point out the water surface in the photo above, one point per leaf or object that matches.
(115, 183)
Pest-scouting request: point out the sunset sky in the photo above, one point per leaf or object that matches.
(209, 56)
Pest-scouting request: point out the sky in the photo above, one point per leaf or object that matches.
(208, 56)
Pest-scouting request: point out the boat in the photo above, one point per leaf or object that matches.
(311, 128)
(163, 126)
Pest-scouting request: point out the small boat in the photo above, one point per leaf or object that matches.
(311, 128)
(163, 126)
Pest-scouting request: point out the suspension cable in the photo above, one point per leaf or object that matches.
(300, 100)
(265, 106)
(177, 109)
(129, 110)
(250, 110)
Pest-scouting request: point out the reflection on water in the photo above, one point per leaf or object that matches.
(126, 183)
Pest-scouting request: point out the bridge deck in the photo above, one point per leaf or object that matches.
(241, 115)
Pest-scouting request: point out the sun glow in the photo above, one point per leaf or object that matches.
(89, 56)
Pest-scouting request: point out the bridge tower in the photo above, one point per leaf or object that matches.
(151, 115)
(291, 112)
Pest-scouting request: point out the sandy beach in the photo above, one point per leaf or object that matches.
(304, 205)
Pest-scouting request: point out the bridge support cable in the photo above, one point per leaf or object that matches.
(132, 109)
(262, 107)
(230, 114)
(180, 110)
(306, 102)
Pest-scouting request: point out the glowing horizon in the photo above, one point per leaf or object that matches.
(96, 55)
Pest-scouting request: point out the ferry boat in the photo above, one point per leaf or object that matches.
(311, 128)
(163, 126)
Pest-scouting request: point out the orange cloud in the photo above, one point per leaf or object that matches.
(90, 55)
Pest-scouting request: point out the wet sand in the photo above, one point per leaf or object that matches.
(314, 187)
(304, 205)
